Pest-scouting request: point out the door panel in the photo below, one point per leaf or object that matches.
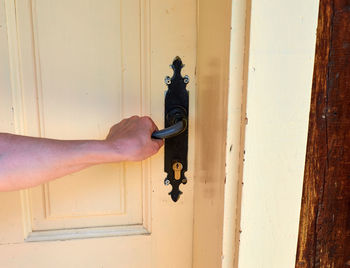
(80, 65)
(75, 68)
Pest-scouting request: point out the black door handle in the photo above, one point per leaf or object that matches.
(175, 132)
(176, 122)
(172, 131)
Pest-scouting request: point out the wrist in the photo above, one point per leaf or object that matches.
(100, 151)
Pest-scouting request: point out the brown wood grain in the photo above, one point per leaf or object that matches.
(324, 230)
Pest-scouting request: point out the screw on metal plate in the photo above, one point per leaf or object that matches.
(186, 79)
(167, 80)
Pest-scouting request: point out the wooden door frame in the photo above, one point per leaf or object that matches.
(223, 64)
(211, 116)
(324, 231)
(220, 115)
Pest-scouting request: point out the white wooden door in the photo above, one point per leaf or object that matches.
(70, 69)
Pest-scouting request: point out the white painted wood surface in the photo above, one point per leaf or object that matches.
(281, 56)
(70, 70)
(213, 48)
(239, 47)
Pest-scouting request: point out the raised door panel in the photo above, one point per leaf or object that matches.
(81, 75)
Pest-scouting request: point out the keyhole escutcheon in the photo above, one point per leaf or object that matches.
(177, 167)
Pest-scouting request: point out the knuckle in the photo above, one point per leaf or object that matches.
(147, 120)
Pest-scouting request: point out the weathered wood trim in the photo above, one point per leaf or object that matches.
(212, 75)
(324, 231)
(236, 122)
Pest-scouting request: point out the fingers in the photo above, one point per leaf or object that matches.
(150, 126)
(149, 123)
(159, 143)
(153, 127)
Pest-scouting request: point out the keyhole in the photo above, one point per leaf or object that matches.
(177, 167)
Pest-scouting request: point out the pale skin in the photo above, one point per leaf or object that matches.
(29, 161)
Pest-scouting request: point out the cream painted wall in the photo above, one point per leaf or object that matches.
(281, 56)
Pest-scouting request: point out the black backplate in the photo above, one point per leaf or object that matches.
(176, 148)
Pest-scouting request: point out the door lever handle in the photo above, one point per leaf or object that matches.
(175, 122)
(171, 131)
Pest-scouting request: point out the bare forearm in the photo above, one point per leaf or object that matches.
(28, 161)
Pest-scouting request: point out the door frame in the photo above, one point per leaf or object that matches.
(220, 103)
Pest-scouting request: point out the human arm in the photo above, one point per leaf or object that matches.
(29, 161)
